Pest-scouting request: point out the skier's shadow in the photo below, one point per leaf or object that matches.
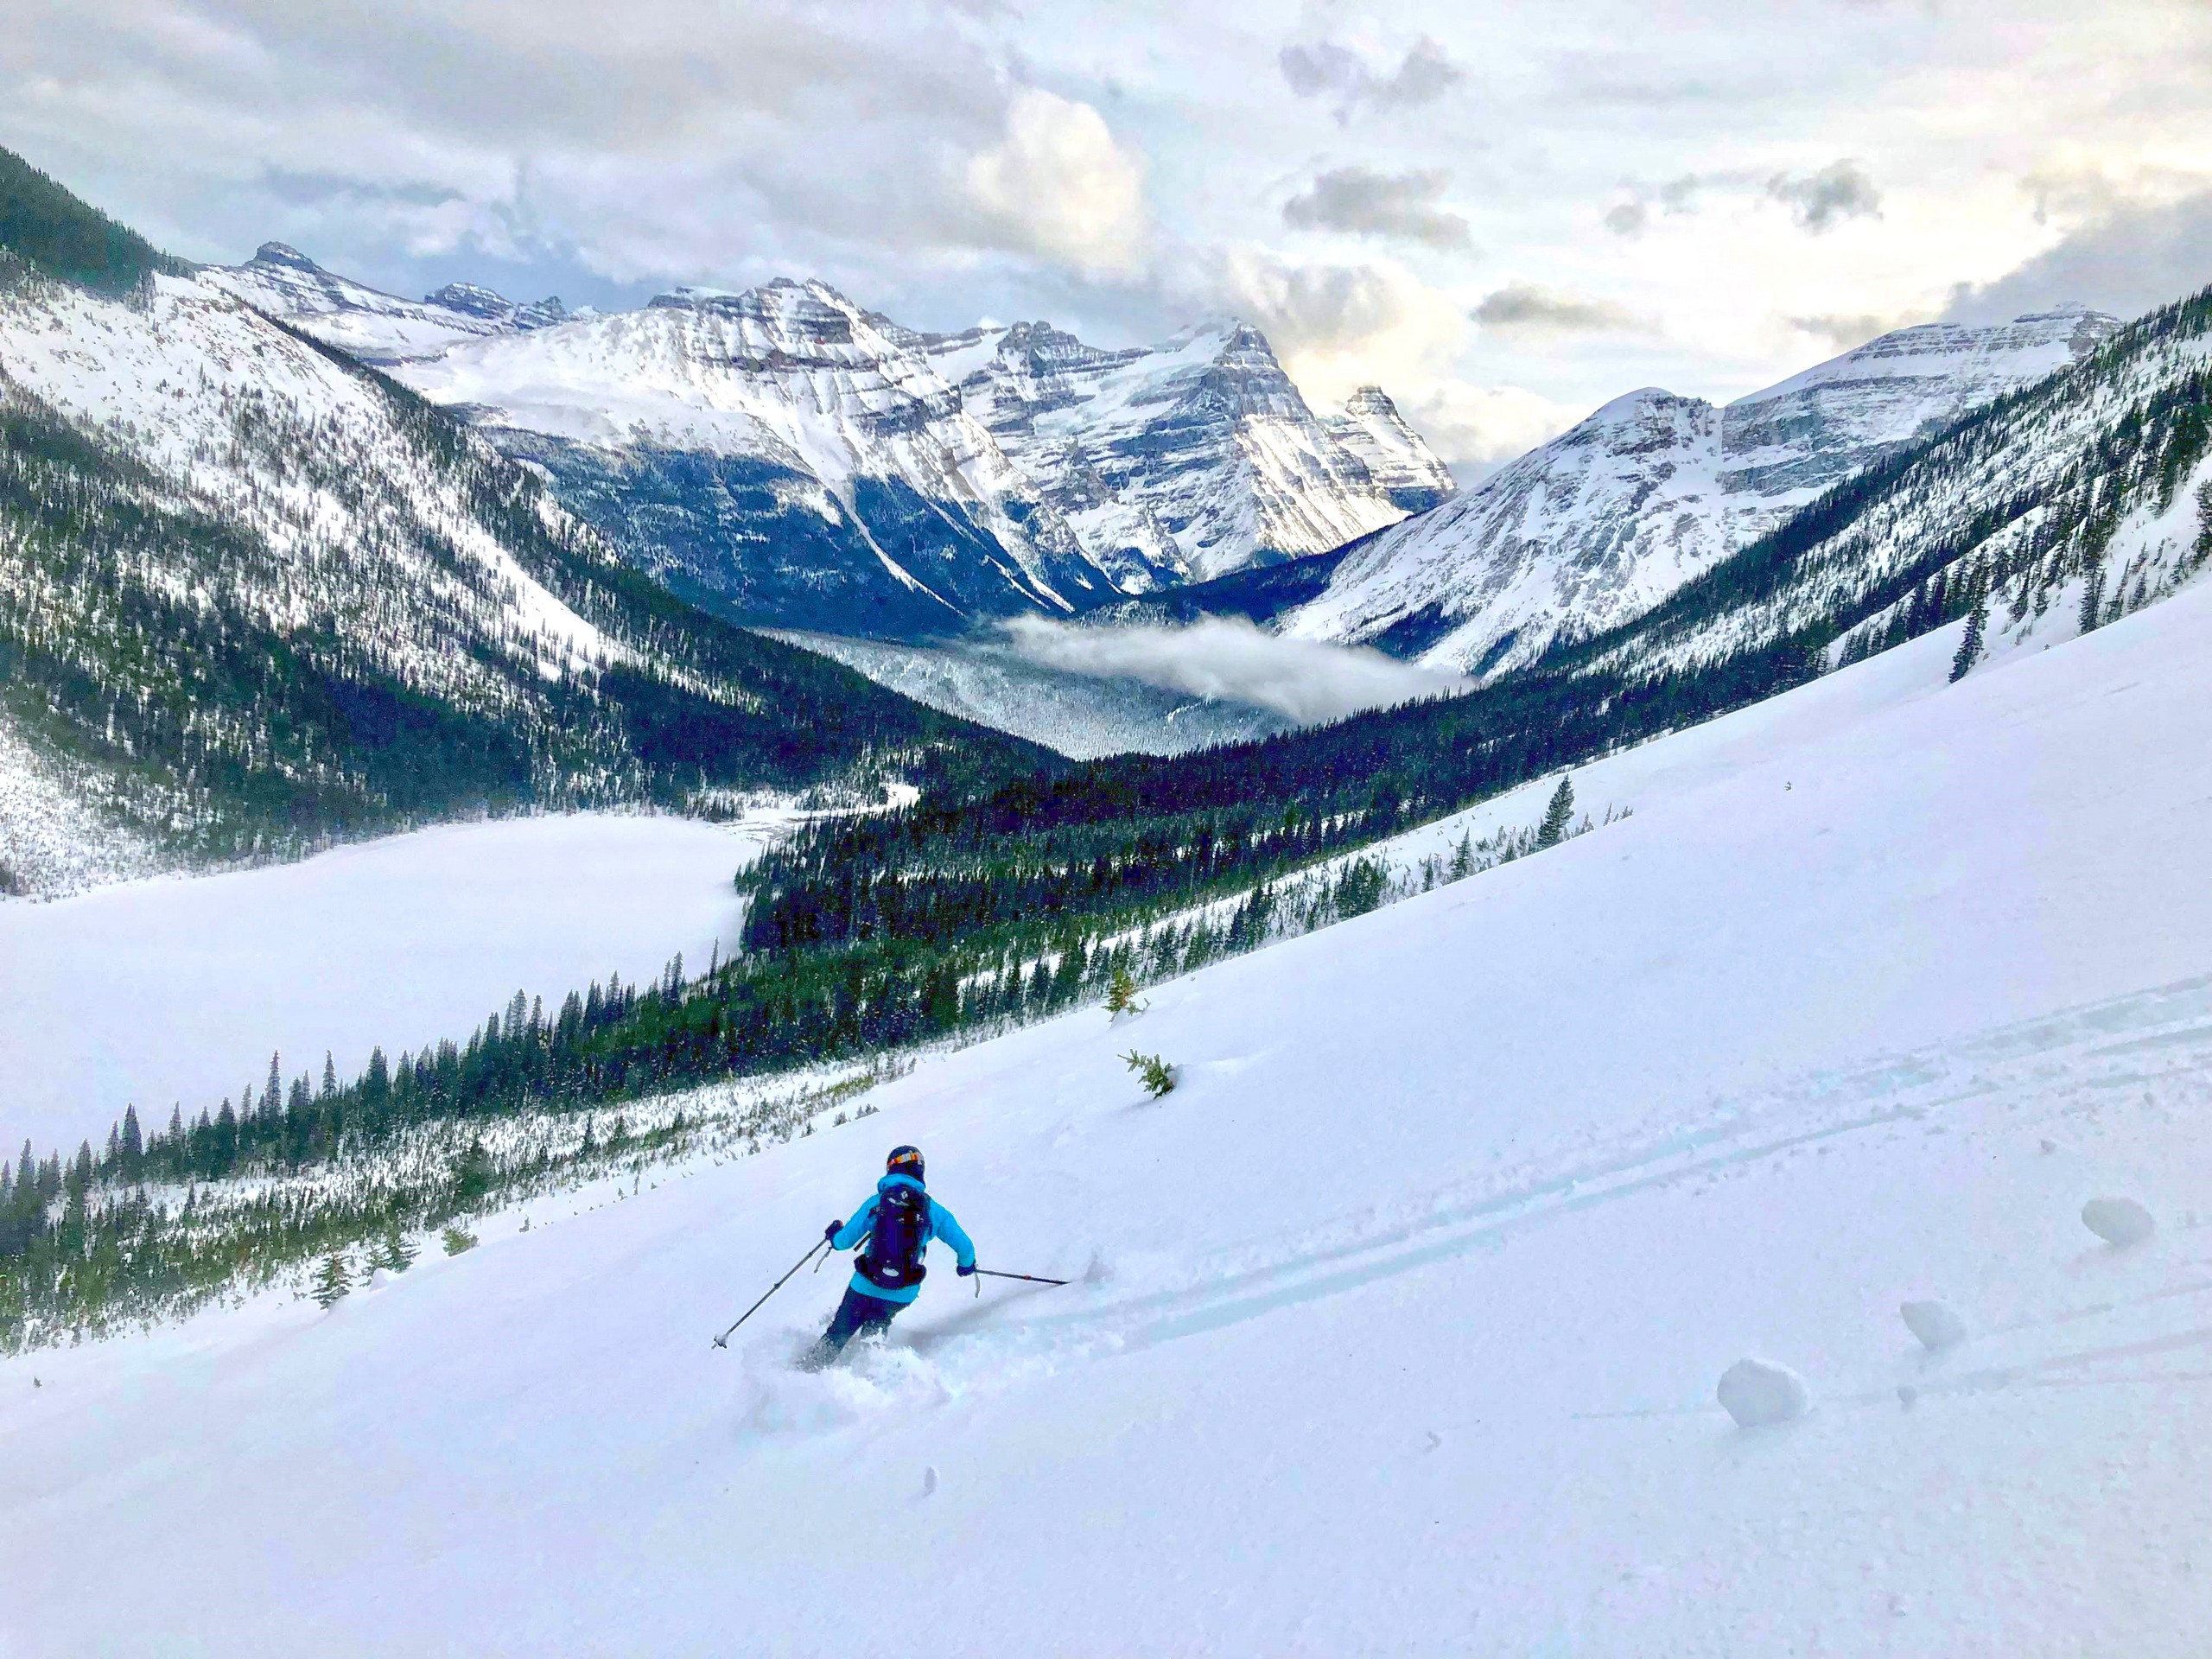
(927, 1340)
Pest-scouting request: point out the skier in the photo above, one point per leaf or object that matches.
(898, 1220)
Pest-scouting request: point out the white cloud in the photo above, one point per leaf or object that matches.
(1060, 185)
(2123, 252)
(1339, 327)
(1229, 659)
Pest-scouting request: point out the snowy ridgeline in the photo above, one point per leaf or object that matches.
(1410, 1304)
(1007, 467)
(1588, 530)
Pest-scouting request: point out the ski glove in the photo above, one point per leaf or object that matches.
(829, 1234)
(965, 1271)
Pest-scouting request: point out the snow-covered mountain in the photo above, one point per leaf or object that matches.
(1603, 522)
(791, 457)
(365, 322)
(1397, 459)
(1186, 461)
(253, 596)
(2074, 500)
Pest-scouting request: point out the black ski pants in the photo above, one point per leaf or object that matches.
(858, 1315)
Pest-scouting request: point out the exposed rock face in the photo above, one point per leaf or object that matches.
(789, 457)
(1399, 462)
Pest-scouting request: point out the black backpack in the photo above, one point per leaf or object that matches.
(900, 1232)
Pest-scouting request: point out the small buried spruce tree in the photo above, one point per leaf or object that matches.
(1121, 994)
(395, 1254)
(1159, 1077)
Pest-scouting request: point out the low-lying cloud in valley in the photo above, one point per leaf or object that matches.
(1230, 660)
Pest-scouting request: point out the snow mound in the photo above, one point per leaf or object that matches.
(1757, 1393)
(2119, 1222)
(1935, 1324)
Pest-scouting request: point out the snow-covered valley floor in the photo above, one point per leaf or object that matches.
(1398, 1323)
(175, 989)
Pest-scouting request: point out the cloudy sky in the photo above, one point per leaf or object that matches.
(1503, 214)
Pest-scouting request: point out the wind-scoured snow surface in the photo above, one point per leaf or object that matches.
(1082, 716)
(174, 990)
(1397, 1326)
(1605, 521)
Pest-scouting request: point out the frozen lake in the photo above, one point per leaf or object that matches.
(175, 989)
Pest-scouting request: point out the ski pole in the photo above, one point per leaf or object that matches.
(722, 1341)
(993, 1273)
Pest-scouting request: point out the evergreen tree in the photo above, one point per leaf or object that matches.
(1158, 1075)
(132, 1161)
(272, 1095)
(1970, 646)
(2092, 599)
(333, 1282)
(1121, 994)
(1558, 814)
(329, 1076)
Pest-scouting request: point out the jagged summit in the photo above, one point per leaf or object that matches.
(473, 300)
(285, 255)
(801, 460)
(376, 327)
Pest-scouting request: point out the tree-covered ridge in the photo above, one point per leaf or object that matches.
(247, 678)
(46, 227)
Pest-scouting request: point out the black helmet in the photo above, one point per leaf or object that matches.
(904, 1160)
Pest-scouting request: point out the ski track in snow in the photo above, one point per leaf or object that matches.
(1396, 1325)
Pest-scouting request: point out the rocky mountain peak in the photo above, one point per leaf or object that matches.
(472, 298)
(285, 255)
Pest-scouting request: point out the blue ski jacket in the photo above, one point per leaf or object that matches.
(939, 1225)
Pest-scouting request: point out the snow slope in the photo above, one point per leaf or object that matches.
(174, 990)
(1399, 1321)
(1600, 523)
